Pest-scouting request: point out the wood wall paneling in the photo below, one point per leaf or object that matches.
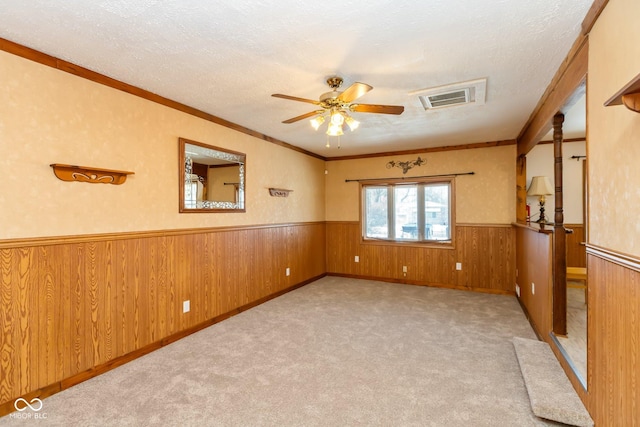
(534, 258)
(576, 249)
(487, 254)
(72, 309)
(613, 347)
(613, 324)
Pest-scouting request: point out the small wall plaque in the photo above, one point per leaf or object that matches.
(279, 192)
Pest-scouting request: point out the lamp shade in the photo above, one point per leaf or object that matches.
(540, 186)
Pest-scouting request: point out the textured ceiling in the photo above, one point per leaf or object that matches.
(227, 57)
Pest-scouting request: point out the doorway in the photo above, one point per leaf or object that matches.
(541, 162)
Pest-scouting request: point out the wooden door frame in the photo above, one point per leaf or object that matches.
(563, 92)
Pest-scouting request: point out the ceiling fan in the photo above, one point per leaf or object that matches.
(336, 106)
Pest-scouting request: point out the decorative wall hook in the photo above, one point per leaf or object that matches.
(405, 166)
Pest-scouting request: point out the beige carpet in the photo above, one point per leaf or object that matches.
(551, 394)
(337, 352)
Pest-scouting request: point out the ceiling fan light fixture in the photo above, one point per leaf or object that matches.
(317, 121)
(337, 118)
(334, 108)
(334, 130)
(352, 123)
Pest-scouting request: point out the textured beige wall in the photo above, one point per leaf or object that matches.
(614, 132)
(48, 116)
(488, 197)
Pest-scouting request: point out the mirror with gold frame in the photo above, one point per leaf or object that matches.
(212, 179)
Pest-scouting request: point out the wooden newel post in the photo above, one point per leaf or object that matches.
(559, 236)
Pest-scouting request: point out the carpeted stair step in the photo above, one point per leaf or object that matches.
(551, 394)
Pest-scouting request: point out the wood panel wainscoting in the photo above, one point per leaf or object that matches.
(534, 249)
(534, 275)
(75, 307)
(576, 248)
(613, 340)
(613, 324)
(486, 252)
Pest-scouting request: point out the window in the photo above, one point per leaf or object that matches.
(408, 212)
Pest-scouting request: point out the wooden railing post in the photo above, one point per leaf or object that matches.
(559, 237)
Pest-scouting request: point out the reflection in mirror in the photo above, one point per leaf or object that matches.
(212, 178)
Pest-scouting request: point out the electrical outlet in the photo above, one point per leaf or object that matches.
(288, 271)
(533, 288)
(404, 268)
(517, 290)
(186, 306)
(458, 266)
(356, 258)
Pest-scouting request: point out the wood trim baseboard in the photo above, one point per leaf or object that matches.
(625, 260)
(83, 238)
(419, 283)
(59, 386)
(85, 73)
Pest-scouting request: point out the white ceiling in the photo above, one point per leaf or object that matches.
(227, 57)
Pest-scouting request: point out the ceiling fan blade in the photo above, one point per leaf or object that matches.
(380, 109)
(302, 117)
(354, 92)
(295, 98)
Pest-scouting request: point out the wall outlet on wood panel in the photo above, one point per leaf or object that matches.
(356, 258)
(186, 306)
(533, 288)
(458, 266)
(288, 271)
(518, 290)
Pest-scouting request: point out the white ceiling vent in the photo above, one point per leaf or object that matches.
(471, 92)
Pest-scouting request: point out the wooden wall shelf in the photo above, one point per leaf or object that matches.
(629, 95)
(89, 174)
(279, 192)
